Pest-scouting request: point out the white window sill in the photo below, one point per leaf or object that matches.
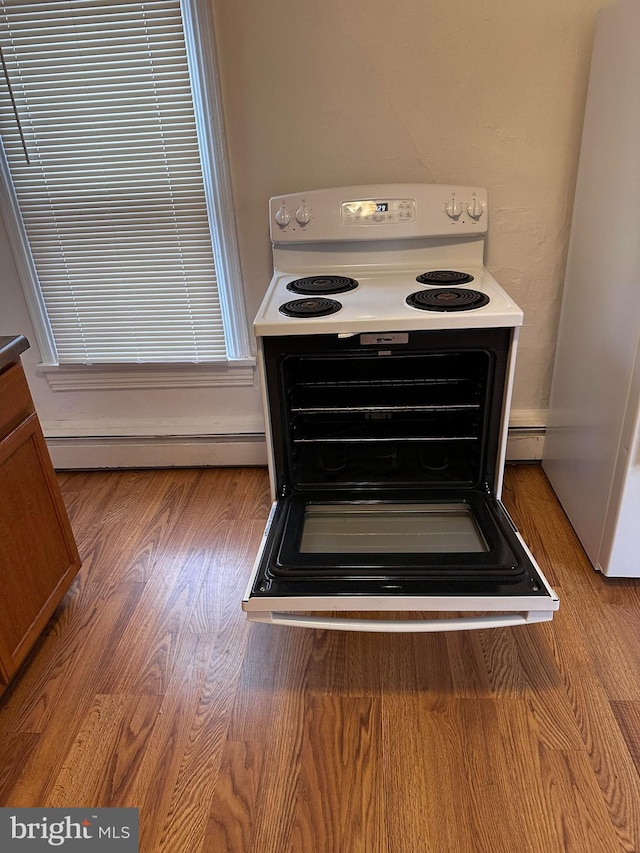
(121, 377)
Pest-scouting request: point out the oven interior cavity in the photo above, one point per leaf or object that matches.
(366, 417)
(387, 419)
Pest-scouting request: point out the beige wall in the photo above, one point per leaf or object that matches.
(488, 92)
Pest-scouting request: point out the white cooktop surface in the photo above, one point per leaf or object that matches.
(378, 303)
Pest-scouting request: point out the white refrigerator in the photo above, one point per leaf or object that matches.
(592, 446)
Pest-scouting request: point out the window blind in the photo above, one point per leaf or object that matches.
(112, 200)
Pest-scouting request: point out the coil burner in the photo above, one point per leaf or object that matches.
(447, 277)
(322, 284)
(450, 299)
(317, 307)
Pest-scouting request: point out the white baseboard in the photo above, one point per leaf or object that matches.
(527, 429)
(157, 452)
(525, 446)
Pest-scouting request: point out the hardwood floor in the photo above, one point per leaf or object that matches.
(150, 689)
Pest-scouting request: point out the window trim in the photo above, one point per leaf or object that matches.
(202, 56)
(125, 376)
(203, 70)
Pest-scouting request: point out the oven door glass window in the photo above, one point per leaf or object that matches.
(390, 528)
(458, 536)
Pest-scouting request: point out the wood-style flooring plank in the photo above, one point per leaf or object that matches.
(231, 550)
(628, 716)
(195, 784)
(282, 730)
(231, 822)
(152, 788)
(339, 804)
(469, 675)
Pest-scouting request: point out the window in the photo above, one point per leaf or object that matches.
(115, 177)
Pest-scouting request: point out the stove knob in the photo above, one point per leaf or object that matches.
(453, 209)
(283, 217)
(475, 209)
(302, 214)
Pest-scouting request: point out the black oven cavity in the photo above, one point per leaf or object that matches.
(421, 414)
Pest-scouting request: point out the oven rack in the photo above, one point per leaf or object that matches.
(375, 439)
(444, 407)
(420, 382)
(389, 398)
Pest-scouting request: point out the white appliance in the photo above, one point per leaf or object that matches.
(592, 447)
(387, 353)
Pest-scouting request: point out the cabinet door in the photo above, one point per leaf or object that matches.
(38, 554)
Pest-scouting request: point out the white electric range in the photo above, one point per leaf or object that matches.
(387, 354)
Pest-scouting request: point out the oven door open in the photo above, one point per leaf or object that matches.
(412, 555)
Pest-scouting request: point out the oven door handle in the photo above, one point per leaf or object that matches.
(457, 623)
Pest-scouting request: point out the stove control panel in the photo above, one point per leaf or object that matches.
(378, 211)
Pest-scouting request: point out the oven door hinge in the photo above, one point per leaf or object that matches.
(488, 490)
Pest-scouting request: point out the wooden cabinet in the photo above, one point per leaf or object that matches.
(38, 554)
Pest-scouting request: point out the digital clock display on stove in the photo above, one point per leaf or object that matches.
(373, 211)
